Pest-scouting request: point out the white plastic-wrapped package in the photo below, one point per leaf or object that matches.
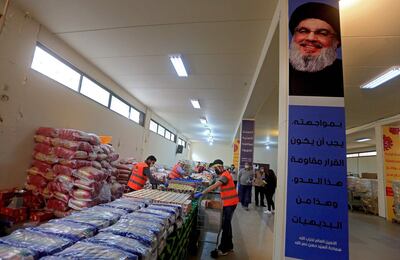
(120, 204)
(41, 244)
(170, 216)
(8, 252)
(124, 243)
(87, 250)
(70, 230)
(96, 221)
(169, 209)
(145, 236)
(154, 218)
(106, 212)
(156, 228)
(78, 204)
(90, 174)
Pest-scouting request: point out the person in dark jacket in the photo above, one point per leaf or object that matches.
(270, 187)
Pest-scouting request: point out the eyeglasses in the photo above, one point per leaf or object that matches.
(319, 32)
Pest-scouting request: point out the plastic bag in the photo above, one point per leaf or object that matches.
(55, 204)
(105, 164)
(67, 180)
(72, 145)
(56, 186)
(70, 230)
(68, 154)
(8, 252)
(36, 180)
(129, 207)
(44, 148)
(116, 190)
(84, 195)
(75, 164)
(73, 135)
(126, 167)
(90, 174)
(171, 217)
(48, 175)
(98, 220)
(47, 131)
(63, 170)
(91, 186)
(113, 157)
(41, 244)
(61, 196)
(156, 228)
(124, 229)
(87, 250)
(172, 210)
(124, 243)
(42, 139)
(50, 159)
(106, 212)
(105, 193)
(81, 204)
(101, 156)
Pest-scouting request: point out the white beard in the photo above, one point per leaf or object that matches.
(309, 63)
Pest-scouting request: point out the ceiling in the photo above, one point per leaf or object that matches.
(130, 41)
(222, 43)
(369, 46)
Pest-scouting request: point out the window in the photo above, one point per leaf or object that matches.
(134, 115)
(181, 142)
(161, 130)
(53, 68)
(172, 137)
(168, 135)
(153, 126)
(119, 106)
(95, 92)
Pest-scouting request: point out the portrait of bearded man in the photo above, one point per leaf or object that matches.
(315, 69)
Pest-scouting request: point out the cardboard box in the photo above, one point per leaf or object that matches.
(213, 204)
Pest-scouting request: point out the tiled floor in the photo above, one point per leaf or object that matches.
(371, 237)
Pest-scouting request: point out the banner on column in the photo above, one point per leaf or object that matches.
(391, 146)
(316, 213)
(247, 142)
(236, 146)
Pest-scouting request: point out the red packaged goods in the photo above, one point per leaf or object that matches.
(40, 216)
(80, 204)
(106, 164)
(94, 139)
(14, 212)
(32, 201)
(36, 180)
(44, 148)
(58, 205)
(62, 214)
(49, 175)
(96, 164)
(61, 196)
(75, 164)
(65, 179)
(6, 194)
(57, 186)
(87, 185)
(51, 159)
(73, 135)
(72, 145)
(101, 156)
(47, 131)
(42, 166)
(113, 157)
(84, 195)
(123, 177)
(127, 167)
(127, 172)
(106, 148)
(92, 156)
(65, 153)
(42, 139)
(90, 174)
(63, 170)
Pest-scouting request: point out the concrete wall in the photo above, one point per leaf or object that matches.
(204, 152)
(31, 99)
(262, 155)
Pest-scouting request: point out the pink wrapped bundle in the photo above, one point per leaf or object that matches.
(90, 174)
(88, 185)
(63, 170)
(72, 145)
(56, 186)
(127, 167)
(101, 156)
(113, 157)
(81, 204)
(106, 164)
(44, 148)
(57, 205)
(66, 180)
(43, 167)
(50, 159)
(73, 135)
(36, 180)
(128, 161)
(68, 154)
(84, 195)
(42, 139)
(49, 175)
(75, 164)
(61, 196)
(47, 131)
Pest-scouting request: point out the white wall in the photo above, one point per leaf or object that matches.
(262, 155)
(204, 152)
(361, 164)
(35, 100)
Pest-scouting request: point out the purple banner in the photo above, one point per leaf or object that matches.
(247, 142)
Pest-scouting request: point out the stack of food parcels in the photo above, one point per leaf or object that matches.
(72, 170)
(124, 169)
(396, 198)
(126, 228)
(367, 189)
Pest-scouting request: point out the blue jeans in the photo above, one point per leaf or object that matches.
(245, 195)
(226, 238)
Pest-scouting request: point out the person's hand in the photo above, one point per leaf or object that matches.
(198, 195)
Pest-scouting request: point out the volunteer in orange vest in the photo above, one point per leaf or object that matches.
(177, 171)
(140, 173)
(229, 199)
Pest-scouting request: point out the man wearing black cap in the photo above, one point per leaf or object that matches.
(229, 198)
(315, 69)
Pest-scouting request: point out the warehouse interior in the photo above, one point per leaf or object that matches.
(231, 51)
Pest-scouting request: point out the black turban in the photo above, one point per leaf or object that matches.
(319, 11)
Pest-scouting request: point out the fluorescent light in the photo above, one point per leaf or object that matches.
(203, 120)
(195, 103)
(208, 132)
(178, 65)
(367, 154)
(386, 76)
(210, 139)
(363, 140)
(210, 143)
(267, 147)
(352, 155)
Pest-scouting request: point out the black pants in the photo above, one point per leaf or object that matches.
(235, 183)
(226, 239)
(269, 193)
(259, 192)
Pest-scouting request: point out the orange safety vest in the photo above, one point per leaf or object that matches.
(138, 179)
(229, 195)
(174, 173)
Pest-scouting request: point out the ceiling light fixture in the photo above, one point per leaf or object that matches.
(208, 131)
(178, 65)
(373, 153)
(363, 140)
(352, 155)
(195, 103)
(382, 78)
(203, 120)
(267, 147)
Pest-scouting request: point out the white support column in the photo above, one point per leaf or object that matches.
(280, 216)
(380, 171)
